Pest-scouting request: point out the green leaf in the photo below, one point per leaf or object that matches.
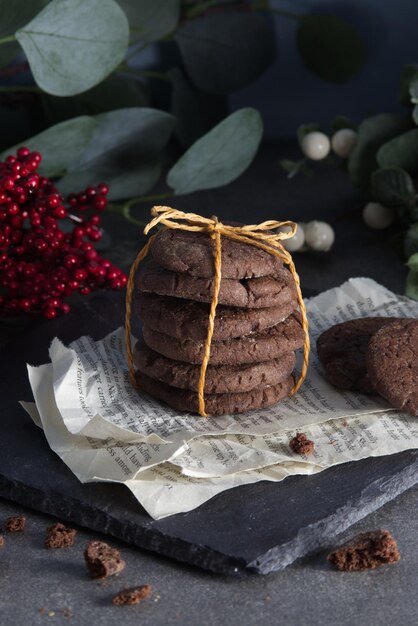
(134, 179)
(139, 133)
(195, 111)
(371, 134)
(393, 187)
(415, 114)
(408, 74)
(411, 241)
(221, 155)
(401, 151)
(412, 285)
(339, 122)
(412, 262)
(73, 45)
(224, 52)
(116, 92)
(293, 168)
(413, 85)
(151, 20)
(59, 145)
(329, 47)
(305, 129)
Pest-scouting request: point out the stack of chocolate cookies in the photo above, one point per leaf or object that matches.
(257, 325)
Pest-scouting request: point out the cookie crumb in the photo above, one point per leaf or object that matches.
(366, 551)
(67, 611)
(300, 444)
(132, 596)
(59, 536)
(15, 524)
(102, 560)
(1, 541)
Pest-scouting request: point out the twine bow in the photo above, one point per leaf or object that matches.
(265, 236)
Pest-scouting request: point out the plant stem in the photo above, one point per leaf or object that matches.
(264, 5)
(125, 209)
(200, 8)
(7, 39)
(136, 50)
(151, 198)
(144, 73)
(16, 88)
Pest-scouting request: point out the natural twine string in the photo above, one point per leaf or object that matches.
(259, 235)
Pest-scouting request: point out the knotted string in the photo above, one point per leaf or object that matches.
(261, 236)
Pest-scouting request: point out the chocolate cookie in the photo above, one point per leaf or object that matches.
(266, 291)
(342, 352)
(366, 551)
(265, 346)
(219, 378)
(192, 253)
(392, 363)
(189, 320)
(216, 403)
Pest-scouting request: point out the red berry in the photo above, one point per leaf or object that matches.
(23, 152)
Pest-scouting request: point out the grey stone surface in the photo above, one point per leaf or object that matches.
(307, 593)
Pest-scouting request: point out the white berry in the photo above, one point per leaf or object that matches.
(319, 236)
(344, 141)
(316, 146)
(378, 216)
(296, 242)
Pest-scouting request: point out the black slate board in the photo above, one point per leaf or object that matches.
(261, 527)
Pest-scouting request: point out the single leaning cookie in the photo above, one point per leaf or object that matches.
(392, 363)
(192, 253)
(266, 291)
(216, 403)
(186, 319)
(265, 346)
(219, 378)
(342, 352)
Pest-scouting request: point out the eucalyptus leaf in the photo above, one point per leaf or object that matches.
(401, 151)
(195, 111)
(73, 45)
(139, 133)
(411, 241)
(371, 134)
(134, 179)
(393, 187)
(221, 155)
(116, 92)
(59, 145)
(409, 74)
(415, 114)
(150, 20)
(329, 47)
(413, 85)
(412, 262)
(224, 52)
(412, 285)
(305, 129)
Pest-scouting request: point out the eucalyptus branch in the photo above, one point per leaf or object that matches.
(125, 209)
(20, 88)
(264, 5)
(136, 49)
(143, 73)
(7, 39)
(198, 9)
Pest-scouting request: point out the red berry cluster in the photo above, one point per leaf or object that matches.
(40, 264)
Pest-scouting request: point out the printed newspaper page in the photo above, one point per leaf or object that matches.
(104, 430)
